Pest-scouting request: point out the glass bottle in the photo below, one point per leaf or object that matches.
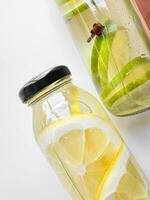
(80, 141)
(114, 41)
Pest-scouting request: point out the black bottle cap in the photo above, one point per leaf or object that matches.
(41, 81)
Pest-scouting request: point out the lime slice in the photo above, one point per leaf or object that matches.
(99, 56)
(110, 53)
(103, 60)
(124, 72)
(73, 8)
(122, 103)
(125, 94)
(119, 52)
(95, 58)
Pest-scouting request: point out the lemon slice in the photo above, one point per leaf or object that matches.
(125, 181)
(90, 158)
(85, 146)
(54, 132)
(73, 8)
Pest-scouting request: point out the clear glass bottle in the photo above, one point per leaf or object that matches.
(114, 40)
(80, 141)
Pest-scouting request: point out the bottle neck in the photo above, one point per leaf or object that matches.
(49, 89)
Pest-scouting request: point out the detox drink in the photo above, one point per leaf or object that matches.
(114, 40)
(80, 141)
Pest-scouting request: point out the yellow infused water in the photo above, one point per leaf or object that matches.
(91, 160)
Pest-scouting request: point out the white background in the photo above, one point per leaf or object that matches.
(33, 37)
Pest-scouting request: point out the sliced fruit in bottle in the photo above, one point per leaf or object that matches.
(125, 90)
(129, 68)
(86, 151)
(125, 181)
(110, 53)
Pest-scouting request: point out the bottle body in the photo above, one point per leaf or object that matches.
(86, 151)
(118, 57)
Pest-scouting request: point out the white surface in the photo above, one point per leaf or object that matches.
(32, 38)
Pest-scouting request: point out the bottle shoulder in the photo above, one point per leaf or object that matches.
(64, 103)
